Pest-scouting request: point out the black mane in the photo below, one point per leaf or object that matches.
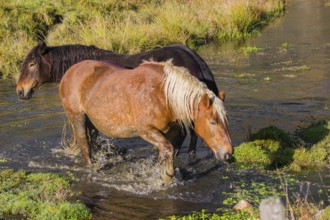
(63, 57)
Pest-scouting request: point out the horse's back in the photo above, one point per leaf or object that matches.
(81, 78)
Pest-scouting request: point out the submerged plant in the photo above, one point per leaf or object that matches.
(248, 50)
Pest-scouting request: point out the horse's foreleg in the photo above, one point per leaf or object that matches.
(156, 138)
(193, 142)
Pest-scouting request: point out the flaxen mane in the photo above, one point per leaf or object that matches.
(183, 91)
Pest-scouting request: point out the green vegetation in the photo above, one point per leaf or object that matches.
(221, 214)
(248, 50)
(272, 148)
(125, 26)
(243, 200)
(38, 196)
(285, 45)
(327, 213)
(327, 3)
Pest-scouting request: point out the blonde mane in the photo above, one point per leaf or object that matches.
(183, 91)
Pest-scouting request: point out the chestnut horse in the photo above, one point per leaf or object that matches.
(48, 64)
(148, 101)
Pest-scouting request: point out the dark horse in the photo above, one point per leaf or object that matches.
(148, 102)
(48, 64)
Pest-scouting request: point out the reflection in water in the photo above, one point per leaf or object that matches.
(285, 81)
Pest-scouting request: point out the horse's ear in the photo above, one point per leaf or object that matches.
(42, 47)
(205, 101)
(222, 96)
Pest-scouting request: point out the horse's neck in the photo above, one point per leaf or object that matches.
(63, 57)
(124, 60)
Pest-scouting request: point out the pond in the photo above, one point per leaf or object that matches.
(281, 77)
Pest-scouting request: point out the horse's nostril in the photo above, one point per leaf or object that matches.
(227, 156)
(20, 92)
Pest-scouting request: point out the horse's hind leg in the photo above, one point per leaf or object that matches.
(78, 121)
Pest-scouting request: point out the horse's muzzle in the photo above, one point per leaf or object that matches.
(222, 155)
(26, 96)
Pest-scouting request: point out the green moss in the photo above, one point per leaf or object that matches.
(316, 149)
(315, 132)
(38, 196)
(326, 215)
(255, 153)
(221, 214)
(305, 158)
(271, 147)
(276, 134)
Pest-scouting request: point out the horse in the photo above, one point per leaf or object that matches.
(48, 64)
(148, 101)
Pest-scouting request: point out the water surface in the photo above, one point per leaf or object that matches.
(284, 83)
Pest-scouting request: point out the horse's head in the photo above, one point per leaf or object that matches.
(210, 122)
(35, 70)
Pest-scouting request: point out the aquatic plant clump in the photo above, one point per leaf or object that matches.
(38, 196)
(221, 214)
(271, 147)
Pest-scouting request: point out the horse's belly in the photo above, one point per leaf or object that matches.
(120, 132)
(115, 130)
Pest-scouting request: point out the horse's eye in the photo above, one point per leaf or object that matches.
(213, 122)
(31, 64)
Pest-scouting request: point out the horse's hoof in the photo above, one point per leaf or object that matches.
(93, 167)
(178, 174)
(73, 150)
(176, 152)
(192, 154)
(167, 177)
(168, 180)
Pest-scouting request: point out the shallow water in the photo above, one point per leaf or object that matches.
(285, 82)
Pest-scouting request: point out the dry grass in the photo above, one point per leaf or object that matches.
(126, 26)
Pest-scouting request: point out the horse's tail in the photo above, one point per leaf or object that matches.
(64, 142)
(72, 147)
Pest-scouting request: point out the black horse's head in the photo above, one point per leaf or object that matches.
(35, 70)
